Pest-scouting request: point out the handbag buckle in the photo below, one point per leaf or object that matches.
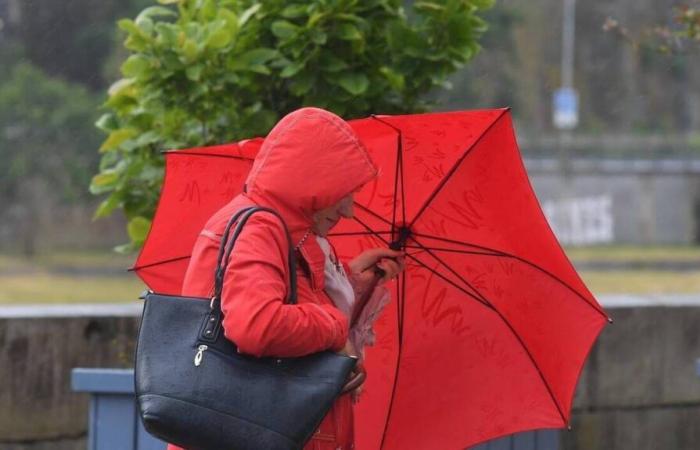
(210, 327)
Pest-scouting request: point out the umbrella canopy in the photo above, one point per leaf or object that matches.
(197, 182)
(490, 324)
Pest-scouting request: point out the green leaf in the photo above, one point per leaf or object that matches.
(147, 138)
(107, 206)
(219, 38)
(230, 18)
(331, 63)
(429, 6)
(302, 84)
(292, 69)
(348, 32)
(258, 56)
(194, 72)
(138, 229)
(135, 66)
(319, 37)
(284, 29)
(248, 13)
(129, 26)
(190, 50)
(354, 83)
(117, 137)
(259, 68)
(169, 2)
(167, 34)
(154, 11)
(315, 18)
(395, 79)
(351, 17)
(145, 24)
(107, 122)
(119, 86)
(294, 11)
(103, 182)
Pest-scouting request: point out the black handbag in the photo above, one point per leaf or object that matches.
(195, 390)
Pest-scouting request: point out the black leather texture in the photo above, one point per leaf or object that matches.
(229, 401)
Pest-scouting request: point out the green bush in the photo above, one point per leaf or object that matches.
(43, 134)
(212, 71)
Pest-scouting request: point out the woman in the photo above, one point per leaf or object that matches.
(307, 170)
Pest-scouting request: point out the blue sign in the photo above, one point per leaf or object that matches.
(565, 108)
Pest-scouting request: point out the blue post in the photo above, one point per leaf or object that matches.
(113, 422)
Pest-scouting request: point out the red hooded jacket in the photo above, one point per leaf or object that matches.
(309, 161)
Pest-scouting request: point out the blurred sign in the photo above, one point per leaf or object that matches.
(581, 220)
(565, 108)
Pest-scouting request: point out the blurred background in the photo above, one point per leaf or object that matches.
(607, 114)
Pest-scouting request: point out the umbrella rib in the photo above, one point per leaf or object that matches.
(399, 170)
(396, 185)
(454, 168)
(213, 155)
(371, 231)
(534, 363)
(403, 192)
(401, 290)
(452, 271)
(503, 318)
(496, 252)
(157, 263)
(452, 283)
(358, 233)
(396, 172)
(485, 303)
(372, 213)
(463, 252)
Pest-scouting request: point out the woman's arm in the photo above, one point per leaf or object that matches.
(256, 317)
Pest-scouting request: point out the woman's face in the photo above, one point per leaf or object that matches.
(327, 218)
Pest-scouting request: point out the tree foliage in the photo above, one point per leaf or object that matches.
(681, 36)
(43, 133)
(212, 71)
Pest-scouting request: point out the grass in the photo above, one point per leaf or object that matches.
(50, 288)
(56, 278)
(49, 279)
(642, 282)
(621, 253)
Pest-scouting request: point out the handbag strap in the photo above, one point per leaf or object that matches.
(227, 245)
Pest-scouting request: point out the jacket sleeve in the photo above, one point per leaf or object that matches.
(256, 317)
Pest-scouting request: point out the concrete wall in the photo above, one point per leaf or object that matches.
(38, 349)
(639, 390)
(651, 202)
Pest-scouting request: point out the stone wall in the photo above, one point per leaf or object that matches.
(639, 390)
(38, 348)
(648, 201)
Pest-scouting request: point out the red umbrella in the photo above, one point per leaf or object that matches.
(197, 183)
(490, 324)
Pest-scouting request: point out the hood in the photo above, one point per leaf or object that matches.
(309, 161)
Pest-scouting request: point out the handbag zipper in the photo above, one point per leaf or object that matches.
(200, 354)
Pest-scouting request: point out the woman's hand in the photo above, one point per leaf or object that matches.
(388, 260)
(349, 350)
(357, 376)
